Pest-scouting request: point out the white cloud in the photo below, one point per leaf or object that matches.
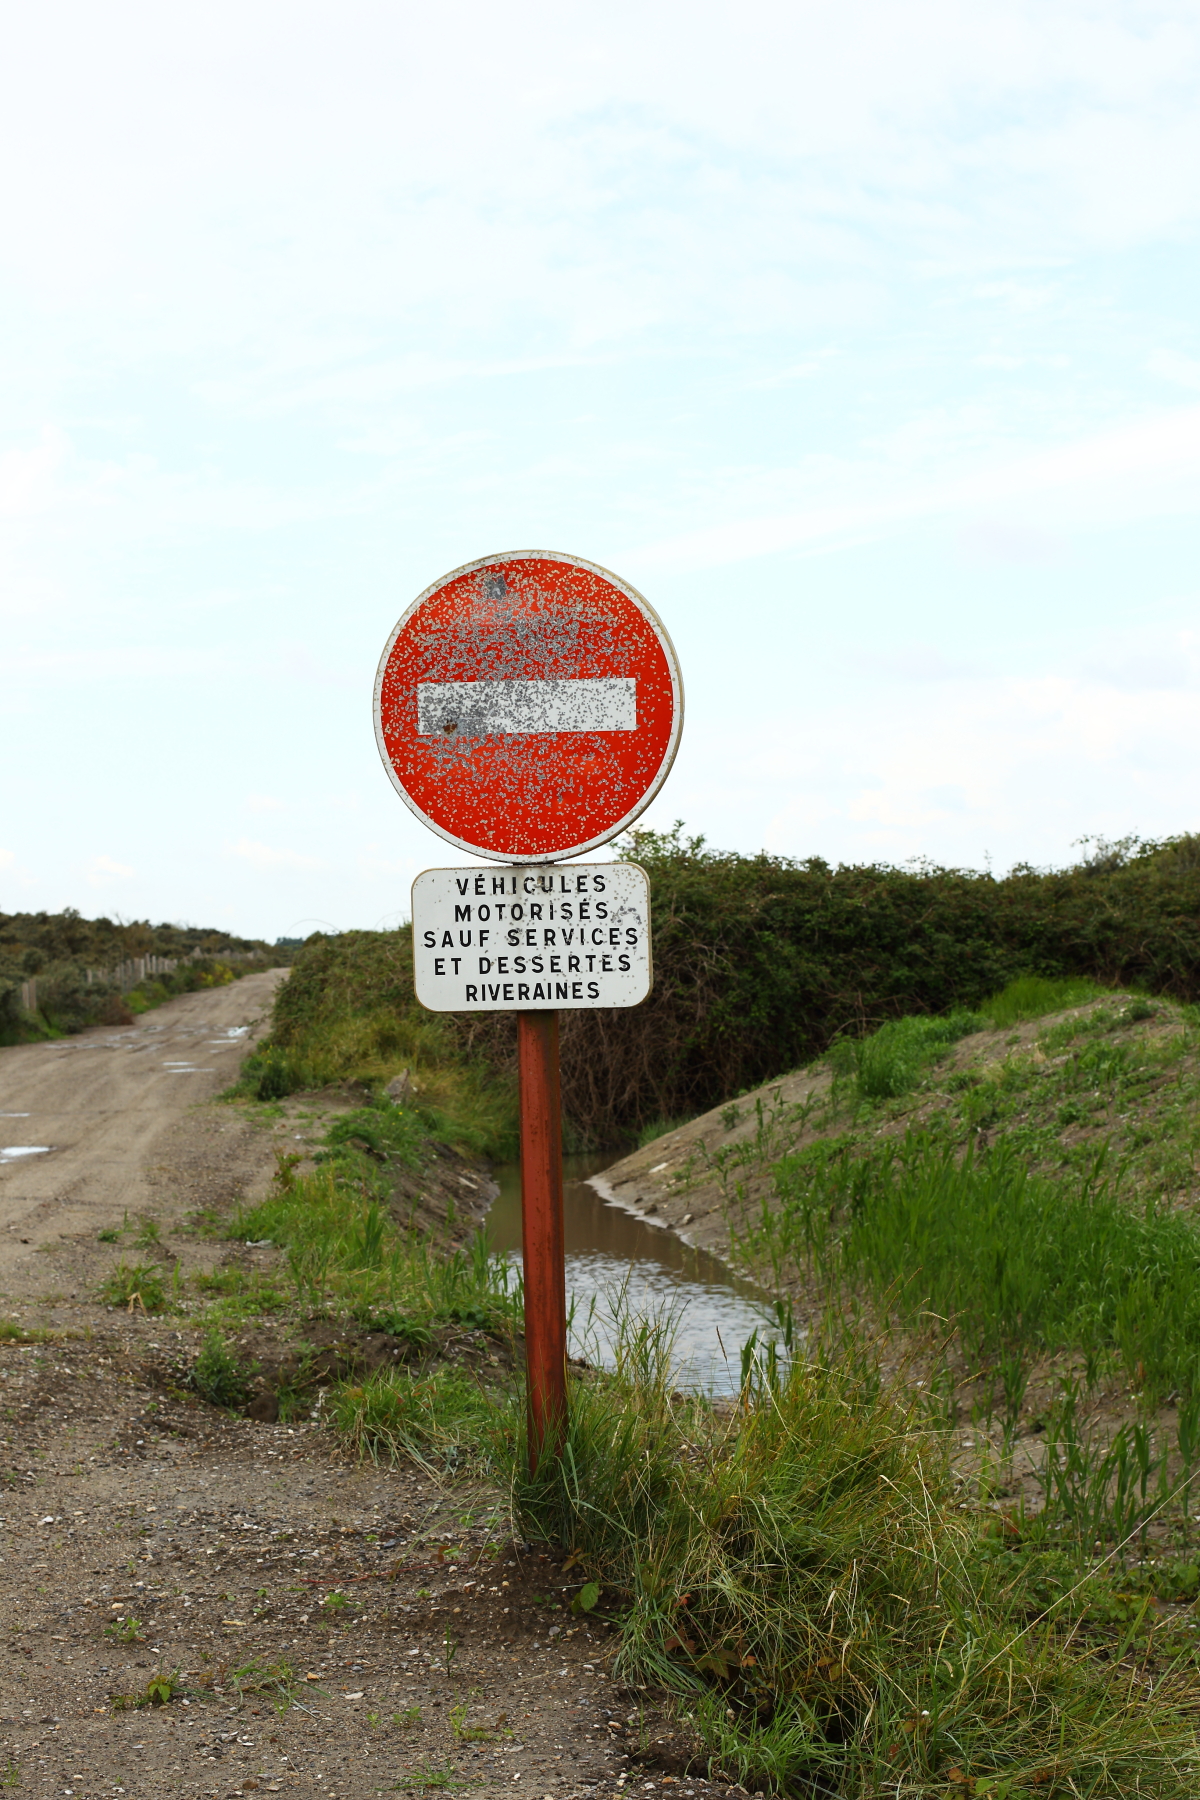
(374, 861)
(301, 306)
(542, 159)
(1016, 765)
(1010, 541)
(27, 476)
(102, 870)
(266, 858)
(1142, 467)
(1183, 370)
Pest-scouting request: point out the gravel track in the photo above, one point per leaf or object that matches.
(143, 1533)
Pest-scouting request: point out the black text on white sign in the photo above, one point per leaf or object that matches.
(507, 939)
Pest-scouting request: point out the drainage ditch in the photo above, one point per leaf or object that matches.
(621, 1266)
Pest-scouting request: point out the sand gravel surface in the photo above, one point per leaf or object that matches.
(327, 1628)
(106, 1123)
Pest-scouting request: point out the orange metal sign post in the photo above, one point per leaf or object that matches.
(542, 1232)
(527, 709)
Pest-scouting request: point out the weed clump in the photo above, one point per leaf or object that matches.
(276, 1682)
(269, 1073)
(125, 1631)
(136, 1287)
(160, 1690)
(219, 1376)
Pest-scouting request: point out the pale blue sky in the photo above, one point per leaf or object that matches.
(863, 338)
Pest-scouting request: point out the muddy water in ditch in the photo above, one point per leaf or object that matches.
(618, 1263)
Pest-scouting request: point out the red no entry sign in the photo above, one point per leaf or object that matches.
(528, 707)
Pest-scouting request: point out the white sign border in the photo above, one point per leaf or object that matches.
(479, 1008)
(668, 648)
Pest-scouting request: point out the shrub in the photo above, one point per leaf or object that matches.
(59, 948)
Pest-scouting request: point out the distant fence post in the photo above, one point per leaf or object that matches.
(128, 974)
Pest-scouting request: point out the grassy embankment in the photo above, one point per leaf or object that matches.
(348, 1014)
(1014, 1214)
(833, 1606)
(1035, 1195)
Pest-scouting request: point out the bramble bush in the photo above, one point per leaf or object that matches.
(760, 964)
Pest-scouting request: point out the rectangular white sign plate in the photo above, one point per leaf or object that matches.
(479, 708)
(531, 936)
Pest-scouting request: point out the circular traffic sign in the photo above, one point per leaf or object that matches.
(528, 707)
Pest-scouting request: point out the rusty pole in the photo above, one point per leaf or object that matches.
(542, 1232)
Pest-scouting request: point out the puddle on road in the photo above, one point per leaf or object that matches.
(614, 1257)
(10, 1152)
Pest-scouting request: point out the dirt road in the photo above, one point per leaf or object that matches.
(323, 1628)
(103, 1124)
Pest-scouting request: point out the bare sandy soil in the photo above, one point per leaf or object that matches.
(673, 1179)
(117, 1109)
(327, 1628)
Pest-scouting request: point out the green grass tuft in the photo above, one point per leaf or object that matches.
(1033, 996)
(446, 1417)
(385, 1132)
(657, 1128)
(802, 1577)
(140, 1286)
(219, 1376)
(893, 1059)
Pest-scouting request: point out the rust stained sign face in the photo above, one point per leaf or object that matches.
(528, 707)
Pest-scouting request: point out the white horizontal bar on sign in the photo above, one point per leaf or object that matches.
(478, 708)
